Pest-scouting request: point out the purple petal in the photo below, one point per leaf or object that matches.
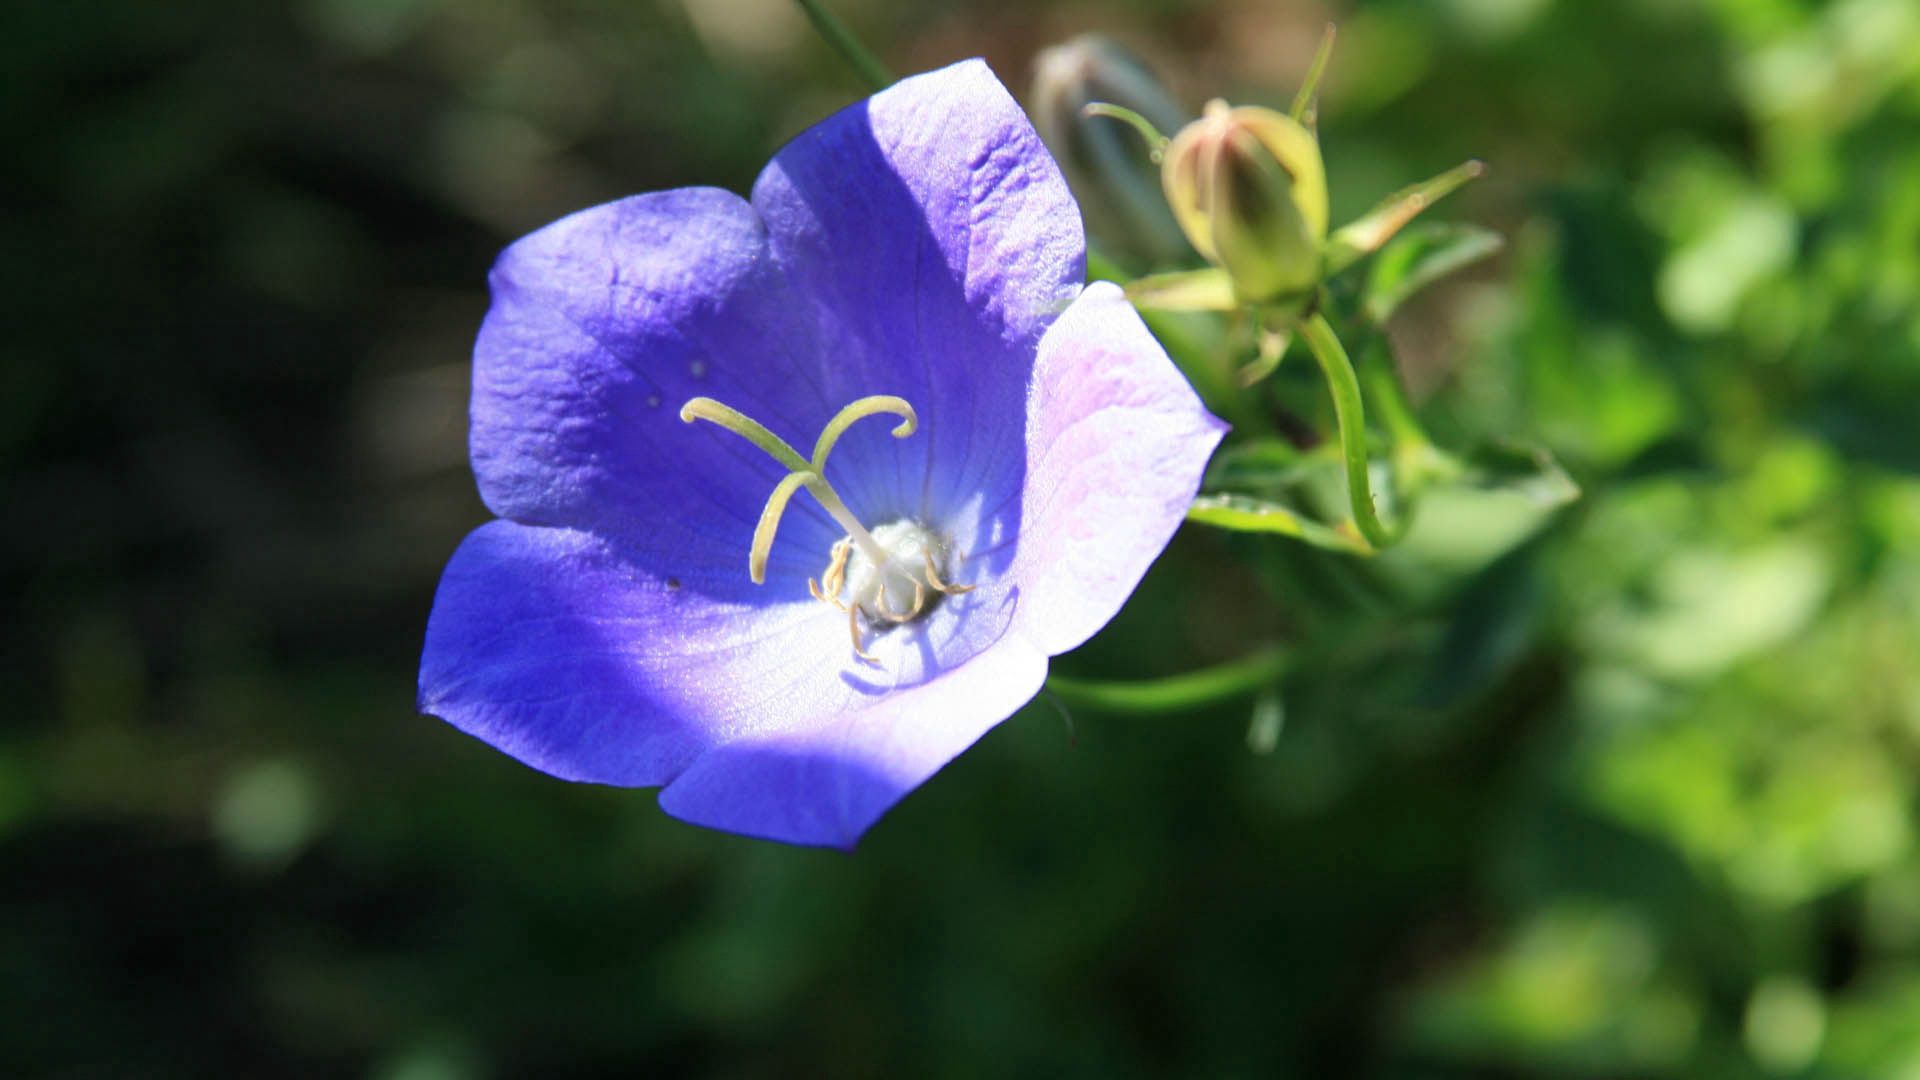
(826, 782)
(932, 239)
(917, 244)
(554, 646)
(1116, 442)
(603, 324)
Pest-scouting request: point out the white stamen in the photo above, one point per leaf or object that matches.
(896, 591)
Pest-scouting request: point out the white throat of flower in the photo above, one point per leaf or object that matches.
(890, 575)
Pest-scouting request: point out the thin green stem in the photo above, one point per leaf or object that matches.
(1190, 690)
(1304, 99)
(1351, 414)
(855, 54)
(1156, 139)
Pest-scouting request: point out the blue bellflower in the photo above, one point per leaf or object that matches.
(675, 596)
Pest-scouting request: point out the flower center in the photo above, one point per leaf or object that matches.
(890, 575)
(905, 588)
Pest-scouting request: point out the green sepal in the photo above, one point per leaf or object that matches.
(1273, 341)
(1185, 290)
(1365, 234)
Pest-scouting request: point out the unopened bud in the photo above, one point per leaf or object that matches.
(1247, 187)
(1110, 173)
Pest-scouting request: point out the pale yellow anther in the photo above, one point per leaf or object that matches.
(836, 575)
(827, 589)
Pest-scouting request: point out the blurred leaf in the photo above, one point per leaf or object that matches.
(1494, 620)
(1576, 988)
(1869, 424)
(1264, 465)
(1269, 716)
(1708, 606)
(1420, 257)
(1503, 494)
(1521, 469)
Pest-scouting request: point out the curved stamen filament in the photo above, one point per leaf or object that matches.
(853, 630)
(933, 579)
(827, 589)
(802, 472)
(887, 609)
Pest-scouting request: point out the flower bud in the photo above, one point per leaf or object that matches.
(1247, 187)
(1104, 163)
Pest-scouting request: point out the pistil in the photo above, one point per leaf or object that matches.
(883, 567)
(805, 473)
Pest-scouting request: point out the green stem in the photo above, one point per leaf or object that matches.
(1193, 689)
(1303, 101)
(1155, 139)
(1352, 417)
(848, 46)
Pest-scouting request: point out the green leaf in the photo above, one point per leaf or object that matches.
(1420, 257)
(1265, 465)
(1521, 469)
(1244, 513)
(1501, 495)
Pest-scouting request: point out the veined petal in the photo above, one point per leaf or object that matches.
(920, 245)
(602, 325)
(827, 782)
(554, 646)
(1116, 443)
(932, 239)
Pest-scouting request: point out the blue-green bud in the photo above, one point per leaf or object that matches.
(1103, 162)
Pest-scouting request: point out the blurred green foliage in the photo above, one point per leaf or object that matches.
(1618, 788)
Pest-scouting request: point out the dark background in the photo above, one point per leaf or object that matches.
(1626, 790)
